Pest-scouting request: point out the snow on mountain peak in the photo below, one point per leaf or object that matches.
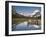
(30, 14)
(34, 12)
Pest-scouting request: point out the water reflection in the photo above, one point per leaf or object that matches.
(25, 26)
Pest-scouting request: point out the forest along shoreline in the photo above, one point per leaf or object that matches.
(29, 20)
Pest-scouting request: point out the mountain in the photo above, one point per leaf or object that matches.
(36, 13)
(17, 15)
(33, 14)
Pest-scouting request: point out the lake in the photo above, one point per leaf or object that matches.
(25, 26)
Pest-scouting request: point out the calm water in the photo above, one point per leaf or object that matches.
(25, 26)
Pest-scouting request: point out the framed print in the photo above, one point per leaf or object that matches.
(24, 18)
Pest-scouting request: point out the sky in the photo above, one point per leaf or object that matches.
(25, 9)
